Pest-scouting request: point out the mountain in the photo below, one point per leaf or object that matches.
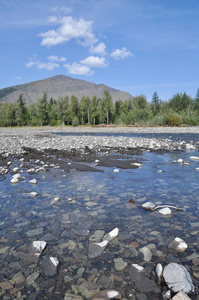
(59, 86)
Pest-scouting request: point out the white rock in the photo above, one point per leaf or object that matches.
(148, 205)
(159, 270)
(116, 170)
(178, 278)
(14, 180)
(113, 234)
(139, 268)
(102, 244)
(159, 171)
(190, 147)
(15, 169)
(178, 244)
(97, 161)
(33, 181)
(197, 169)
(145, 253)
(165, 211)
(16, 176)
(137, 164)
(112, 294)
(39, 245)
(194, 157)
(180, 160)
(34, 194)
(55, 200)
(54, 261)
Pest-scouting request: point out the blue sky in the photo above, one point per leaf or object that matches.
(138, 46)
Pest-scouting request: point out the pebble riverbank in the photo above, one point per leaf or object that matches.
(75, 235)
(12, 140)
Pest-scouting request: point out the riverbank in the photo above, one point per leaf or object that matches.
(12, 140)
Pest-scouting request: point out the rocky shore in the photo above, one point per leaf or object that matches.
(12, 140)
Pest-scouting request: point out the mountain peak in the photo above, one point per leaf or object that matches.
(59, 86)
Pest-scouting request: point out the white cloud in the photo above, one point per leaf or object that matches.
(78, 69)
(70, 28)
(94, 61)
(98, 49)
(121, 54)
(56, 58)
(40, 65)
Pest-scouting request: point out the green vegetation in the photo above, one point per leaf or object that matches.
(6, 91)
(180, 109)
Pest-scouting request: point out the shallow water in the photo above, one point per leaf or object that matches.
(100, 201)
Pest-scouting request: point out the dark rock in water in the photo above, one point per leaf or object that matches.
(35, 296)
(140, 278)
(103, 281)
(170, 258)
(178, 278)
(27, 259)
(96, 249)
(50, 265)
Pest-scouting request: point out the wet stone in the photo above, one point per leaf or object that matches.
(34, 232)
(50, 265)
(120, 264)
(89, 289)
(72, 297)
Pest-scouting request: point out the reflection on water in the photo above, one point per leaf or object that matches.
(91, 201)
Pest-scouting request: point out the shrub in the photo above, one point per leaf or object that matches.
(75, 122)
(175, 120)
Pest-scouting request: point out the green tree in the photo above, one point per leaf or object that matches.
(20, 111)
(196, 100)
(42, 109)
(106, 108)
(140, 102)
(118, 108)
(155, 103)
(74, 107)
(94, 111)
(63, 110)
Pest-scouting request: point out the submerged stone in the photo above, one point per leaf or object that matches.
(96, 249)
(178, 278)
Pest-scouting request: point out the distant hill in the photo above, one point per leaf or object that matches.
(59, 86)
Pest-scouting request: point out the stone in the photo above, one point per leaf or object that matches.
(3, 250)
(50, 265)
(33, 181)
(111, 235)
(27, 259)
(116, 170)
(6, 285)
(55, 200)
(37, 247)
(97, 236)
(34, 232)
(145, 253)
(194, 157)
(31, 278)
(165, 211)
(14, 180)
(178, 244)
(181, 296)
(180, 160)
(178, 278)
(72, 297)
(159, 270)
(148, 205)
(120, 264)
(96, 249)
(34, 194)
(19, 279)
(89, 289)
(17, 176)
(107, 294)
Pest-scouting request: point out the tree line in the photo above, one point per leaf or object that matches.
(180, 109)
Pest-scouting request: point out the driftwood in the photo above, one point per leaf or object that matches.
(132, 200)
(162, 206)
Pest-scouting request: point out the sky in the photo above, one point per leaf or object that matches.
(137, 46)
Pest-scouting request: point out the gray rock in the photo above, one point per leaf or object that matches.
(31, 278)
(96, 249)
(178, 278)
(72, 297)
(97, 236)
(50, 265)
(145, 253)
(120, 264)
(34, 232)
(88, 289)
(148, 205)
